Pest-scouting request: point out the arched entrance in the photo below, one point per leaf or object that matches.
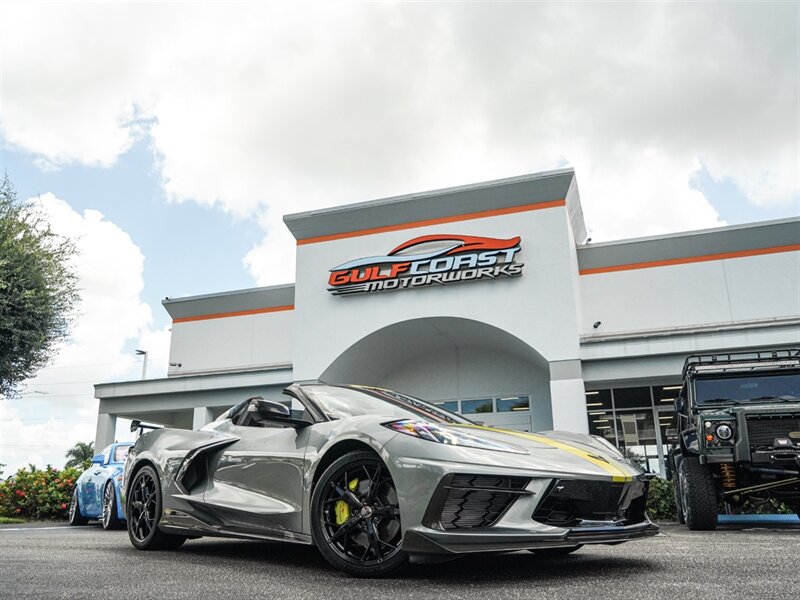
(477, 366)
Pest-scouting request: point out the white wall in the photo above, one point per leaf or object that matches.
(230, 343)
(465, 372)
(720, 291)
(538, 307)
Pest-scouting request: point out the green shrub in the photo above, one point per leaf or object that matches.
(661, 503)
(661, 500)
(38, 493)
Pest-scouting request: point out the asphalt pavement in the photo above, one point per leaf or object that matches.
(58, 561)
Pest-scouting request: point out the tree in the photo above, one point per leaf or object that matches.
(80, 456)
(38, 290)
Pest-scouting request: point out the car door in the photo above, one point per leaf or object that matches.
(257, 485)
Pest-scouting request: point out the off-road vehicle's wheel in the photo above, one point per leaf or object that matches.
(144, 512)
(698, 495)
(676, 493)
(355, 516)
(75, 516)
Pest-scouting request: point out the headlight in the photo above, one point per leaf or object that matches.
(724, 432)
(435, 433)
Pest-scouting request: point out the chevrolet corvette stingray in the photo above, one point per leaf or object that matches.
(374, 479)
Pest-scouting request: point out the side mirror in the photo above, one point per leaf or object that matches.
(135, 424)
(98, 459)
(275, 412)
(672, 436)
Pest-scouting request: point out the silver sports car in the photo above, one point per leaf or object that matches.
(375, 478)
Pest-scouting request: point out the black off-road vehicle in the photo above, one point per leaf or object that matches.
(738, 435)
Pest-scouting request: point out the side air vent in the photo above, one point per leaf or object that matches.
(472, 501)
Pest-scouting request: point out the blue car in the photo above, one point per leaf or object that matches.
(96, 494)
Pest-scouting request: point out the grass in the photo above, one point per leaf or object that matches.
(10, 521)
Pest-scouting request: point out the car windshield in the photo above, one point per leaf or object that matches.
(341, 402)
(121, 453)
(748, 388)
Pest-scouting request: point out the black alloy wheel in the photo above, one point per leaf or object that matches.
(144, 513)
(110, 520)
(75, 516)
(356, 516)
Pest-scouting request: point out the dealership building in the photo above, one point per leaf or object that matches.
(490, 300)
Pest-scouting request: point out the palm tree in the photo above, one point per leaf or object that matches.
(80, 455)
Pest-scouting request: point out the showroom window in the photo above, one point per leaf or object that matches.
(488, 405)
(635, 420)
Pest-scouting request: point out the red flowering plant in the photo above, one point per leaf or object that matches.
(38, 493)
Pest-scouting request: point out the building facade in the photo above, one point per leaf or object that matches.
(487, 299)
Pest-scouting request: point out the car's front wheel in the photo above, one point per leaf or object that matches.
(698, 495)
(75, 516)
(144, 512)
(110, 520)
(355, 516)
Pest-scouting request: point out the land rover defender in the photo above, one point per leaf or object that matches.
(738, 433)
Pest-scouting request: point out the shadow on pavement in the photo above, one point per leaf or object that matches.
(495, 568)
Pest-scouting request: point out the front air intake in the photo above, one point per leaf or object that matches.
(472, 501)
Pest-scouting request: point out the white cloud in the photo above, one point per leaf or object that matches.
(273, 108)
(57, 408)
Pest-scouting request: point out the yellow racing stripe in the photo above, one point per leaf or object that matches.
(617, 473)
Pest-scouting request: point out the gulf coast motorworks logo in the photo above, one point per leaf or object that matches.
(428, 260)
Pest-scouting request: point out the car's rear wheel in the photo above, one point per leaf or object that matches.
(75, 516)
(563, 551)
(698, 495)
(144, 512)
(355, 516)
(110, 520)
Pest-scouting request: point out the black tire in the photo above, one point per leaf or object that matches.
(355, 517)
(676, 492)
(75, 517)
(109, 519)
(698, 495)
(144, 512)
(554, 552)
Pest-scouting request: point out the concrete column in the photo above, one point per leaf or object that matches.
(202, 416)
(568, 396)
(106, 431)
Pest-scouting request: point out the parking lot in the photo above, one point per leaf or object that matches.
(86, 562)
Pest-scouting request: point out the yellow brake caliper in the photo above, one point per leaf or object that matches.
(341, 508)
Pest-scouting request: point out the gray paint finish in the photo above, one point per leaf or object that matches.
(752, 236)
(422, 206)
(227, 302)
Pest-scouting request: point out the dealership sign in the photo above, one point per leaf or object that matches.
(428, 260)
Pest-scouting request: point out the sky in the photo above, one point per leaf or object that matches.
(169, 139)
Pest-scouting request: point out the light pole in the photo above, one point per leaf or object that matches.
(143, 354)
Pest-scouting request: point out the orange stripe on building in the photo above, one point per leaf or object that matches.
(690, 259)
(439, 221)
(238, 313)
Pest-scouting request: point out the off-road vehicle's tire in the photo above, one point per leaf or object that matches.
(676, 492)
(698, 495)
